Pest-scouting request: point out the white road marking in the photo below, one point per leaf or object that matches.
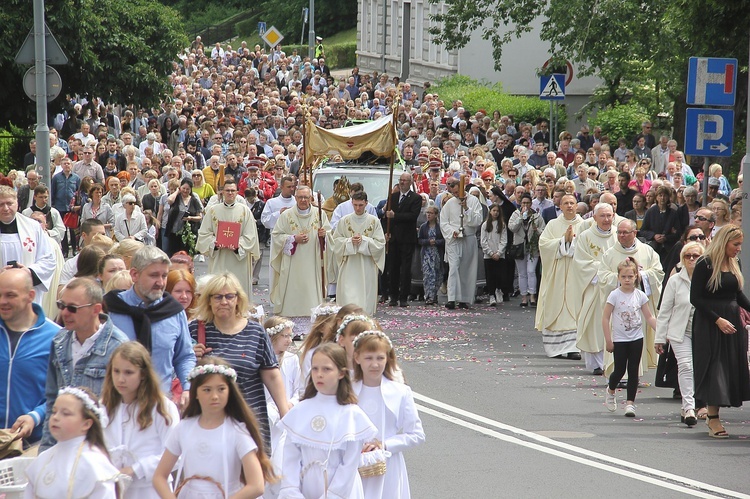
(596, 460)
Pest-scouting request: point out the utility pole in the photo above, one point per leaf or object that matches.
(311, 34)
(40, 63)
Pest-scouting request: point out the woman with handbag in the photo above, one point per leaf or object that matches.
(185, 208)
(96, 209)
(674, 324)
(526, 226)
(130, 224)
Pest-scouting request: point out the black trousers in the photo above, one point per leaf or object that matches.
(627, 355)
(399, 269)
(493, 274)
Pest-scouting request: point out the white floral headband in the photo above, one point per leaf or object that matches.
(349, 319)
(272, 331)
(379, 334)
(89, 403)
(212, 369)
(324, 310)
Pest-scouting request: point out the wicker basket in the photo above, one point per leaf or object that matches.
(372, 464)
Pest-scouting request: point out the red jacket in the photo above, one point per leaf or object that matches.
(266, 187)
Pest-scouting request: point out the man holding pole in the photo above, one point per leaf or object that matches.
(296, 264)
(460, 218)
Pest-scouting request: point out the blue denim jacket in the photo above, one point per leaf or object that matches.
(88, 372)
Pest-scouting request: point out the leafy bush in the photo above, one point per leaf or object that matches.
(476, 95)
(620, 121)
(339, 55)
(14, 144)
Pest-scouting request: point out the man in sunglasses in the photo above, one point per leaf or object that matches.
(705, 219)
(81, 350)
(25, 336)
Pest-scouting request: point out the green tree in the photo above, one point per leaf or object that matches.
(639, 48)
(119, 51)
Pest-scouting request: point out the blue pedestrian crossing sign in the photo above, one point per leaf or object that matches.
(552, 87)
(709, 132)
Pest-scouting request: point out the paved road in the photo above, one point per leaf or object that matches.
(503, 420)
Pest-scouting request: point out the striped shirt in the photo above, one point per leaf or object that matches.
(247, 352)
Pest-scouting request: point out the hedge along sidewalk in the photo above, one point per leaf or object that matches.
(476, 96)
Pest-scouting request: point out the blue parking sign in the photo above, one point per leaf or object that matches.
(709, 132)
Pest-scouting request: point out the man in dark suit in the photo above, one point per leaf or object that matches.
(404, 209)
(26, 192)
(113, 153)
(30, 157)
(554, 211)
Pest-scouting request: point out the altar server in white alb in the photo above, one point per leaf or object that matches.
(141, 417)
(325, 434)
(238, 260)
(22, 240)
(76, 466)
(390, 406)
(359, 251)
(459, 221)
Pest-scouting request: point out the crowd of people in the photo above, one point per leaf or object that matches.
(214, 173)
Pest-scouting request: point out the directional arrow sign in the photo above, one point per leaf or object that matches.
(709, 132)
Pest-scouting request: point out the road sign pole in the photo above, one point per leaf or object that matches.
(551, 144)
(705, 181)
(40, 62)
(311, 34)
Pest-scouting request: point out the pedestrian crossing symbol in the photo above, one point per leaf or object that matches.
(552, 87)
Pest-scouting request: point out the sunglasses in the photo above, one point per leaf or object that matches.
(701, 218)
(699, 237)
(70, 308)
(220, 298)
(130, 202)
(691, 256)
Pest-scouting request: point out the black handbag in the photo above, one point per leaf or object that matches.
(666, 369)
(515, 251)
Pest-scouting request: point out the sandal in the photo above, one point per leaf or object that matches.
(702, 413)
(722, 433)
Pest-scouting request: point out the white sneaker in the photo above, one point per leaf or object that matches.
(493, 301)
(630, 411)
(199, 258)
(498, 296)
(610, 400)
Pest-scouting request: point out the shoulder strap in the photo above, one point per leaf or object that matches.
(202, 333)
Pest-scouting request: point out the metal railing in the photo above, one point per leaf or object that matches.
(13, 148)
(224, 30)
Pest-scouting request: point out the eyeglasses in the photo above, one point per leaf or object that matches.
(70, 308)
(691, 256)
(220, 298)
(130, 202)
(699, 237)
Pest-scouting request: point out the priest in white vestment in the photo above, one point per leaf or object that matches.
(610, 199)
(556, 312)
(296, 264)
(22, 240)
(359, 252)
(651, 274)
(239, 261)
(273, 209)
(459, 221)
(591, 245)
